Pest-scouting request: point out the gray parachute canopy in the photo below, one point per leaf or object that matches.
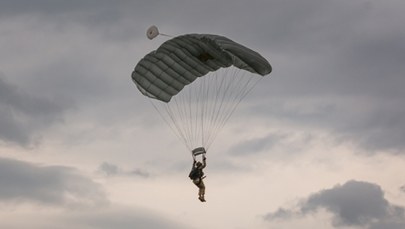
(163, 73)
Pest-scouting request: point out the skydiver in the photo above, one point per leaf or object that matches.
(197, 175)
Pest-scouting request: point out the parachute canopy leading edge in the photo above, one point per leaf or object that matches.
(163, 73)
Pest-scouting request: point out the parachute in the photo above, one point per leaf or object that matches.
(196, 81)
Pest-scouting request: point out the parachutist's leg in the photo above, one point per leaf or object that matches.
(201, 188)
(196, 182)
(201, 191)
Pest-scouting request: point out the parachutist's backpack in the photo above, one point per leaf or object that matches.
(194, 174)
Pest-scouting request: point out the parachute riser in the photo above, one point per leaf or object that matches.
(199, 151)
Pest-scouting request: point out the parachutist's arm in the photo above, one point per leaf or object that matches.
(204, 162)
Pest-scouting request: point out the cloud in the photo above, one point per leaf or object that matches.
(274, 144)
(109, 21)
(402, 188)
(388, 225)
(259, 144)
(316, 53)
(125, 218)
(109, 217)
(354, 203)
(109, 169)
(24, 116)
(345, 68)
(24, 182)
(374, 125)
(59, 9)
(338, 70)
(381, 130)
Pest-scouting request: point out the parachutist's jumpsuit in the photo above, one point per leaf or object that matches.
(199, 181)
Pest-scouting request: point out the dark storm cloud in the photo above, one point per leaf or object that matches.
(109, 169)
(354, 203)
(22, 182)
(23, 116)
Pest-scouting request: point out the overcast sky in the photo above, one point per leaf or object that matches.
(319, 143)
